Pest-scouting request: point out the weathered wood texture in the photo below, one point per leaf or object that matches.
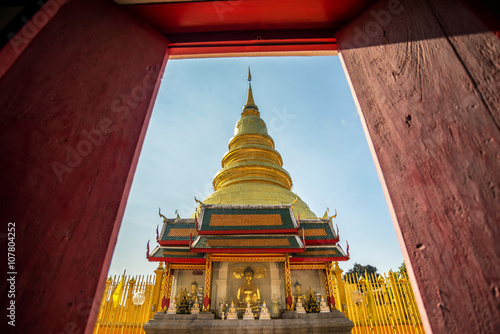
(16, 46)
(426, 78)
(74, 111)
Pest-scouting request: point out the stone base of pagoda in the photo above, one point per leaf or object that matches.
(333, 323)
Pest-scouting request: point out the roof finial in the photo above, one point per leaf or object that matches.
(250, 107)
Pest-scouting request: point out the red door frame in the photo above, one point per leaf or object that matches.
(75, 313)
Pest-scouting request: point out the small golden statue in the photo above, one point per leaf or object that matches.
(248, 313)
(231, 314)
(323, 308)
(195, 309)
(172, 308)
(298, 306)
(264, 313)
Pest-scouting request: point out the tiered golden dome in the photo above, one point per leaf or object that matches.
(252, 171)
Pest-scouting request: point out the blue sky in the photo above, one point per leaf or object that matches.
(310, 113)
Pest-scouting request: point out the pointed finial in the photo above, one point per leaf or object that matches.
(162, 216)
(334, 216)
(250, 107)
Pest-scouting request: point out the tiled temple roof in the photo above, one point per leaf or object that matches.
(247, 229)
(320, 254)
(246, 219)
(318, 231)
(176, 254)
(247, 243)
(177, 231)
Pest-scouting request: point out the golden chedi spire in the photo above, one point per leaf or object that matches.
(252, 171)
(250, 107)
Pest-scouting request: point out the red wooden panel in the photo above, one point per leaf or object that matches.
(327, 45)
(425, 75)
(183, 17)
(75, 108)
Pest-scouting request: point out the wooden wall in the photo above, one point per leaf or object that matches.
(74, 111)
(425, 75)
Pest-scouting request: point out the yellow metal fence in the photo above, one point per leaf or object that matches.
(123, 316)
(383, 304)
(375, 304)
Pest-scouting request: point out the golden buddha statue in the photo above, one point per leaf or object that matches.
(172, 308)
(249, 315)
(193, 295)
(264, 312)
(298, 293)
(195, 309)
(323, 307)
(248, 293)
(231, 314)
(299, 308)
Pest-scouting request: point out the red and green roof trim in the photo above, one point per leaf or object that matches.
(176, 255)
(248, 244)
(247, 219)
(320, 254)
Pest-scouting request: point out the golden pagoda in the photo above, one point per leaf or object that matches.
(252, 172)
(252, 238)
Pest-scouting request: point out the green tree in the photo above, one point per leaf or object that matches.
(402, 269)
(361, 270)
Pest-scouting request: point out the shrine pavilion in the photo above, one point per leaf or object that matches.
(252, 241)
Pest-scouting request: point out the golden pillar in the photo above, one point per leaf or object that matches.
(208, 283)
(342, 301)
(156, 301)
(167, 287)
(288, 284)
(330, 296)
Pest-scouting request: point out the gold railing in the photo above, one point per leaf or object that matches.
(375, 304)
(125, 317)
(381, 304)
